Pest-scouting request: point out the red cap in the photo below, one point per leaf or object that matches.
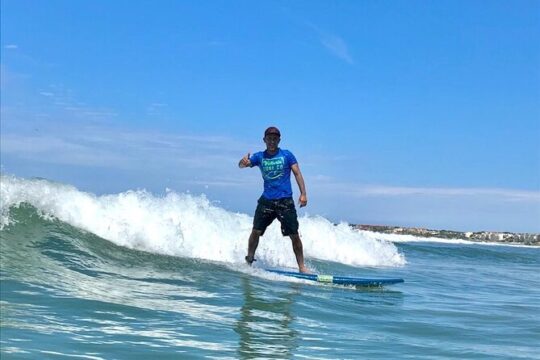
(272, 130)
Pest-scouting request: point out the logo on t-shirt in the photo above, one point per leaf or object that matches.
(273, 168)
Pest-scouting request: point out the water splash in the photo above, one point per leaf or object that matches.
(188, 225)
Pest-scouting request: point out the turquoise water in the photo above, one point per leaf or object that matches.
(67, 291)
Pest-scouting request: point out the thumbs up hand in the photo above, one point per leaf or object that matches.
(244, 162)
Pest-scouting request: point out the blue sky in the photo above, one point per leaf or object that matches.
(413, 113)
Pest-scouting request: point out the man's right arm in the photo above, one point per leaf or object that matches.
(244, 162)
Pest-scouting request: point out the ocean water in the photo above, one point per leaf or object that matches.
(137, 275)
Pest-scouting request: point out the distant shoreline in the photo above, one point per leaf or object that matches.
(478, 236)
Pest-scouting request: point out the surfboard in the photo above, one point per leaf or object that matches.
(342, 280)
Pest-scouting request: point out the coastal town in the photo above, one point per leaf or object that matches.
(480, 236)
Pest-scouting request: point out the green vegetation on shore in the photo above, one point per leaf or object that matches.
(480, 236)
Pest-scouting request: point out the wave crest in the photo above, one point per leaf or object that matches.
(188, 225)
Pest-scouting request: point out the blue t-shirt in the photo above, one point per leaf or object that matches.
(276, 172)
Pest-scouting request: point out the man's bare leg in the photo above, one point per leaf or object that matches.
(298, 252)
(252, 245)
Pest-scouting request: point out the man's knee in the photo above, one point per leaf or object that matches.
(295, 238)
(256, 232)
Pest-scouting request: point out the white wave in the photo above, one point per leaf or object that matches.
(189, 226)
(398, 238)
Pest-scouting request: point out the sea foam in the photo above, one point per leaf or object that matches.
(186, 225)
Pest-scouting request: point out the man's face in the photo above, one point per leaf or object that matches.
(271, 141)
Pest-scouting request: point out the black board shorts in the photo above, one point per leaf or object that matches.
(282, 209)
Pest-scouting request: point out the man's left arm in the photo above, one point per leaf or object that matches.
(300, 181)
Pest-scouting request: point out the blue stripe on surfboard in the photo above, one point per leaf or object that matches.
(342, 280)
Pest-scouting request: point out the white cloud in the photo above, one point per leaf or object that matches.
(11, 46)
(241, 182)
(337, 46)
(155, 108)
(121, 148)
(73, 133)
(362, 190)
(507, 194)
(56, 150)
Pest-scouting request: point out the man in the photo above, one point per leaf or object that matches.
(276, 201)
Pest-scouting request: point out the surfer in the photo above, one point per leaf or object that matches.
(276, 201)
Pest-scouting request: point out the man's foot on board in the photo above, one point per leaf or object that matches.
(304, 270)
